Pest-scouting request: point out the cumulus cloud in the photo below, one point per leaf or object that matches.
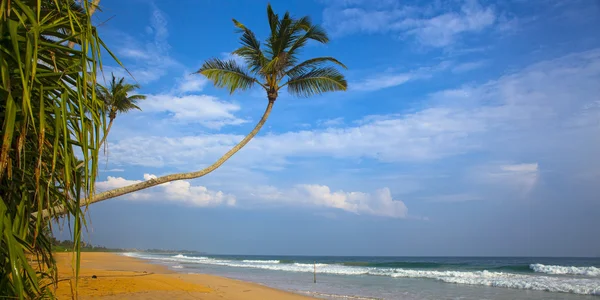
(206, 110)
(378, 203)
(432, 25)
(181, 191)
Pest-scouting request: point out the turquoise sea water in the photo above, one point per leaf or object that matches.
(415, 278)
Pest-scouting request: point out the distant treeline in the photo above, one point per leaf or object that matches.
(67, 245)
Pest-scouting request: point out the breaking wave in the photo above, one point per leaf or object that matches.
(552, 279)
(562, 270)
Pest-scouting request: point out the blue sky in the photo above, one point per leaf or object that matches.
(469, 128)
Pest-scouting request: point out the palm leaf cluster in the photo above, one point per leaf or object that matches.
(117, 96)
(277, 64)
(117, 99)
(52, 122)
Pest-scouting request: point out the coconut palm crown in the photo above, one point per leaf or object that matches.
(117, 99)
(276, 65)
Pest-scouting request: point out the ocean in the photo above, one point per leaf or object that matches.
(412, 278)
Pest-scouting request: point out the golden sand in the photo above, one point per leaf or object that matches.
(121, 277)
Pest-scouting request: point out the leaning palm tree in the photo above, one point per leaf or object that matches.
(272, 68)
(277, 66)
(117, 99)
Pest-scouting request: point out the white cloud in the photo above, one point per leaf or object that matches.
(469, 66)
(520, 168)
(432, 25)
(230, 56)
(191, 83)
(133, 53)
(425, 135)
(206, 110)
(392, 79)
(442, 30)
(181, 191)
(146, 60)
(348, 20)
(381, 81)
(523, 176)
(113, 170)
(331, 122)
(379, 203)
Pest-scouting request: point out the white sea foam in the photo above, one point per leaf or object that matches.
(336, 295)
(582, 286)
(177, 267)
(585, 286)
(190, 257)
(562, 270)
(260, 261)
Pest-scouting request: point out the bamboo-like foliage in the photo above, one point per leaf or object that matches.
(51, 120)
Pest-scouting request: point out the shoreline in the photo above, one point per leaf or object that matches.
(123, 277)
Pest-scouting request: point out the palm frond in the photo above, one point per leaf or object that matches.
(312, 63)
(227, 74)
(117, 96)
(313, 32)
(250, 50)
(137, 97)
(273, 19)
(316, 81)
(283, 37)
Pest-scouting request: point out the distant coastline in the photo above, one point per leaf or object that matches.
(68, 245)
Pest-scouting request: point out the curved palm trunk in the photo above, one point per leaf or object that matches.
(172, 177)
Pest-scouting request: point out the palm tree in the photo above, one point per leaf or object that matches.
(118, 100)
(275, 67)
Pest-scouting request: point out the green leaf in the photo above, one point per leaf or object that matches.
(316, 82)
(312, 63)
(227, 74)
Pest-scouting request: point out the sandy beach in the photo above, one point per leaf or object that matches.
(121, 277)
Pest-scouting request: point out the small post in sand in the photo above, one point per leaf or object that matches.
(315, 273)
